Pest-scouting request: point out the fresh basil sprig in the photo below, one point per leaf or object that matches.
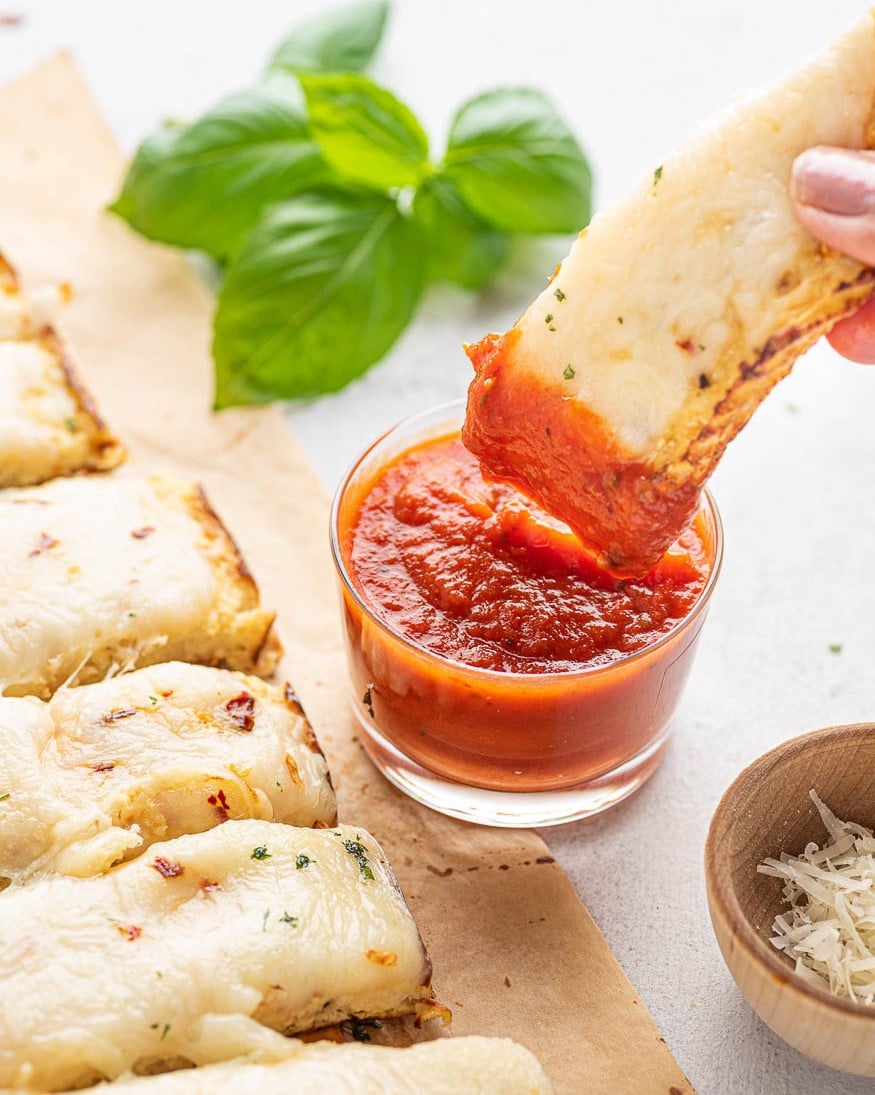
(315, 192)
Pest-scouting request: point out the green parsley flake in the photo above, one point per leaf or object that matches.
(71, 425)
(620, 320)
(302, 862)
(359, 1030)
(153, 699)
(286, 919)
(558, 294)
(164, 1032)
(260, 852)
(548, 318)
(357, 850)
(3, 798)
(657, 175)
(569, 372)
(835, 648)
(264, 920)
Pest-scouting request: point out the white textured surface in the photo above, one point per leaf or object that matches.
(796, 490)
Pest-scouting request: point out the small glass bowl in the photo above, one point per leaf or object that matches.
(507, 749)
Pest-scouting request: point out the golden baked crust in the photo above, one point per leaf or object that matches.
(49, 424)
(613, 397)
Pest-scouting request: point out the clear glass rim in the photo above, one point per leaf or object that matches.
(451, 410)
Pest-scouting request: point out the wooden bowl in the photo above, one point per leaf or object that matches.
(766, 811)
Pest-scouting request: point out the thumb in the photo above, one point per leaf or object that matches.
(833, 193)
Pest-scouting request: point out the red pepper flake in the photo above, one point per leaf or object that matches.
(45, 542)
(142, 533)
(120, 713)
(220, 802)
(687, 345)
(107, 767)
(11, 19)
(242, 711)
(130, 931)
(167, 868)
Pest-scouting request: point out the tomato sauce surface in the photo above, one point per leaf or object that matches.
(474, 571)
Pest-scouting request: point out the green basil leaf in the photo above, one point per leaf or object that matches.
(343, 40)
(205, 185)
(462, 248)
(517, 164)
(365, 133)
(320, 290)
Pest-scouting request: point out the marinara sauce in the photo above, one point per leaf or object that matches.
(493, 649)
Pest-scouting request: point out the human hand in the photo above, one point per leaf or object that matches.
(833, 193)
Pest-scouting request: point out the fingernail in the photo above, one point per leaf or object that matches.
(835, 180)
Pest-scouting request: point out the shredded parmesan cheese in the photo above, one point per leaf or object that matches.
(829, 930)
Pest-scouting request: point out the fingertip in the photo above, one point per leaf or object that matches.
(854, 337)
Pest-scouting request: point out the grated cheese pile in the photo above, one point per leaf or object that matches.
(829, 930)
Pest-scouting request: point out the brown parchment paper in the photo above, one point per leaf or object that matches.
(515, 952)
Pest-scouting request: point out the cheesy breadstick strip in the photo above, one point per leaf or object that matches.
(48, 422)
(102, 573)
(103, 771)
(250, 923)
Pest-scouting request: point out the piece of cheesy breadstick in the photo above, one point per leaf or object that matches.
(103, 771)
(48, 421)
(612, 398)
(102, 573)
(250, 924)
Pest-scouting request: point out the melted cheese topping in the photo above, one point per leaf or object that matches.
(690, 276)
(102, 771)
(37, 409)
(829, 930)
(447, 1066)
(250, 923)
(103, 572)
